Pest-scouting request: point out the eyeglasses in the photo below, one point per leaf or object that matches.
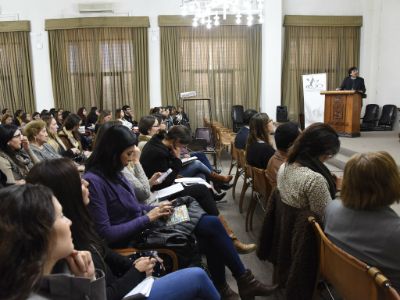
(17, 135)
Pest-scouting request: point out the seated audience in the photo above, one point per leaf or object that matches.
(362, 222)
(163, 151)
(203, 195)
(285, 135)
(60, 116)
(91, 117)
(148, 126)
(36, 116)
(243, 133)
(181, 117)
(304, 181)
(38, 236)
(119, 116)
(58, 145)
(17, 117)
(82, 114)
(70, 135)
(121, 274)
(36, 133)
(16, 157)
(105, 116)
(128, 115)
(119, 217)
(7, 119)
(25, 118)
(258, 148)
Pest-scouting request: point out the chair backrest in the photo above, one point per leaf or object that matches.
(371, 114)
(241, 158)
(237, 114)
(350, 277)
(389, 113)
(203, 133)
(281, 114)
(260, 182)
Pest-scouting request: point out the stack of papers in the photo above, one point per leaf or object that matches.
(192, 180)
(168, 191)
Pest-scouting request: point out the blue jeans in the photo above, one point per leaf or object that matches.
(186, 284)
(195, 169)
(215, 243)
(203, 158)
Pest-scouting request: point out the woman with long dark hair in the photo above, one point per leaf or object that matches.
(92, 116)
(119, 218)
(35, 237)
(122, 275)
(304, 181)
(82, 113)
(259, 148)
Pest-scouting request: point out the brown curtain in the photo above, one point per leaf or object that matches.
(223, 64)
(320, 44)
(105, 67)
(16, 88)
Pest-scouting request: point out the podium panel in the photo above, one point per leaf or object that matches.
(342, 112)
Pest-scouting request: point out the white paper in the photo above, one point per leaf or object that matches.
(168, 191)
(192, 180)
(187, 160)
(143, 289)
(314, 102)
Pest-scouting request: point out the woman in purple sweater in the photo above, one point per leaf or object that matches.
(119, 218)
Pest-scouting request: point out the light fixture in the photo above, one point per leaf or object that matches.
(204, 11)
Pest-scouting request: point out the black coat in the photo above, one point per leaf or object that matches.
(353, 84)
(156, 157)
(288, 241)
(121, 277)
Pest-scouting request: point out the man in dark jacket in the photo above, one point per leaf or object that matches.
(353, 81)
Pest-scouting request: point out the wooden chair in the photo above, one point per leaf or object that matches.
(234, 158)
(261, 190)
(247, 180)
(171, 254)
(351, 278)
(240, 163)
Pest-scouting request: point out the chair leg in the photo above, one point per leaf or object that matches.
(251, 210)
(235, 180)
(246, 184)
(233, 163)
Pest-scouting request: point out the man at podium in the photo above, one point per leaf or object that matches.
(353, 82)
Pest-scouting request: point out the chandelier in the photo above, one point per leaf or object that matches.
(209, 12)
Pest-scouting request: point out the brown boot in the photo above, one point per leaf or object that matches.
(227, 293)
(249, 287)
(220, 178)
(240, 247)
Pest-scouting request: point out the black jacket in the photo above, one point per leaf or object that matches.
(353, 84)
(121, 277)
(288, 241)
(156, 157)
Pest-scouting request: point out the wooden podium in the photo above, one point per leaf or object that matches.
(342, 112)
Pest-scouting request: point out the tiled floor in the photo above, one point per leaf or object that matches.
(262, 270)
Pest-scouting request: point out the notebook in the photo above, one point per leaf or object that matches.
(168, 191)
(142, 290)
(181, 214)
